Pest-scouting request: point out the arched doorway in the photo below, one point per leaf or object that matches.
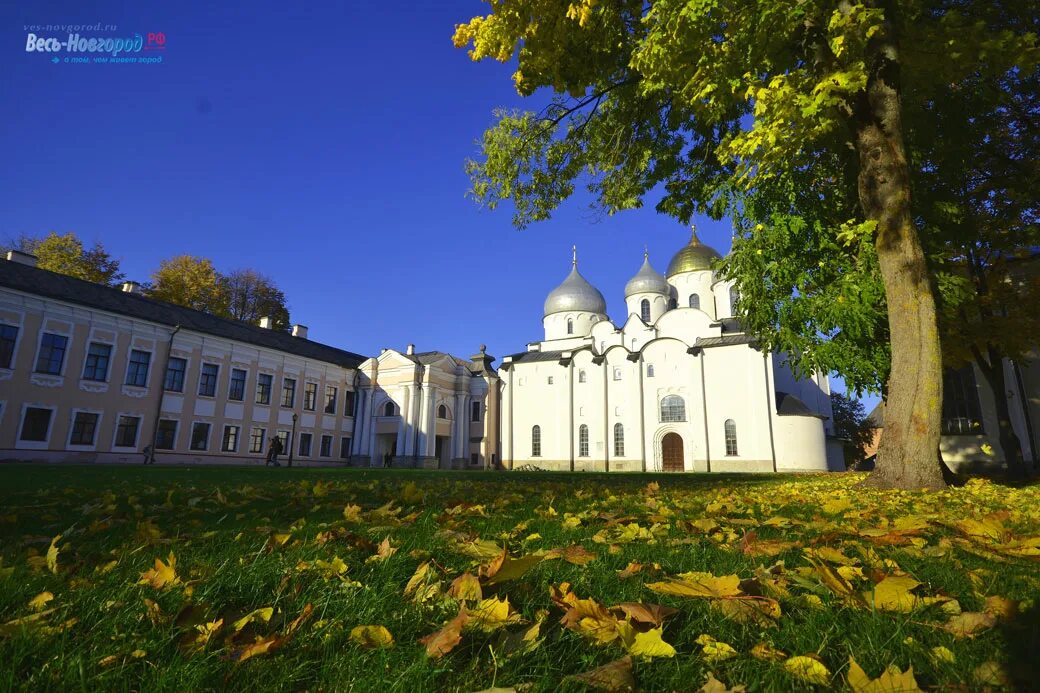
(672, 453)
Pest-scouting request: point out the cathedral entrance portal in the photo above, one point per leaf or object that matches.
(672, 453)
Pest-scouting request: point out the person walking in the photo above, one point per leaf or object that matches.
(149, 454)
(274, 449)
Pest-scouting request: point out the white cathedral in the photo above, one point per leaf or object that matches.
(678, 387)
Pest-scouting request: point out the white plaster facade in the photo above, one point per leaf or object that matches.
(595, 396)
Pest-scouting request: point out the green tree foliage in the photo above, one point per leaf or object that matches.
(781, 113)
(252, 295)
(192, 282)
(65, 254)
(848, 419)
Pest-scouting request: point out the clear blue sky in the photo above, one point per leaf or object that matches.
(303, 143)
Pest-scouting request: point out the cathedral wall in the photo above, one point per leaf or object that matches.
(737, 390)
(556, 324)
(800, 444)
(694, 283)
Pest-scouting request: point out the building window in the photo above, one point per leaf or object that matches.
(305, 445)
(96, 365)
(175, 369)
(331, 397)
(582, 377)
(84, 426)
(570, 327)
(731, 437)
(960, 413)
(536, 441)
(166, 434)
(256, 439)
(389, 409)
(695, 301)
(348, 403)
(344, 448)
(52, 353)
(734, 298)
(288, 392)
(283, 438)
(476, 411)
(672, 304)
(673, 408)
(326, 446)
(619, 440)
(263, 388)
(583, 441)
(650, 370)
(36, 425)
(310, 396)
(199, 436)
(137, 368)
(617, 374)
(237, 385)
(550, 380)
(474, 458)
(126, 431)
(230, 441)
(644, 310)
(442, 412)
(8, 338)
(208, 380)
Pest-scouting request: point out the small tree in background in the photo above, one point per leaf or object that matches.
(849, 417)
(65, 254)
(192, 282)
(253, 295)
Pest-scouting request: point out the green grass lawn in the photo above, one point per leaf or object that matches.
(824, 570)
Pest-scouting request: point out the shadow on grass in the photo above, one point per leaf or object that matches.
(1021, 637)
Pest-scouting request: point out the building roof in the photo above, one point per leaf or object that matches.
(789, 405)
(876, 418)
(575, 294)
(41, 282)
(534, 356)
(725, 340)
(647, 281)
(692, 257)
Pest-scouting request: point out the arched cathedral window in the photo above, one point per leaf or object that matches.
(731, 437)
(644, 310)
(536, 441)
(442, 412)
(673, 408)
(695, 301)
(389, 409)
(619, 440)
(583, 441)
(582, 377)
(570, 327)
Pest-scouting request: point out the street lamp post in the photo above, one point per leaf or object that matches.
(292, 438)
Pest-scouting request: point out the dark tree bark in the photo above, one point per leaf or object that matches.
(908, 456)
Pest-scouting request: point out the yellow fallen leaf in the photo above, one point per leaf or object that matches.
(714, 651)
(38, 602)
(892, 680)
(893, 593)
(260, 647)
(649, 644)
(418, 578)
(990, 674)
(941, 655)
(372, 636)
(444, 640)
(809, 670)
(466, 587)
(492, 614)
(698, 585)
(615, 677)
(263, 614)
(205, 631)
(138, 654)
(767, 653)
(713, 685)
(970, 623)
(163, 575)
(352, 513)
(383, 551)
(52, 555)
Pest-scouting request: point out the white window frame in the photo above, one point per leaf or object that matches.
(216, 381)
(176, 432)
(20, 444)
(238, 437)
(148, 373)
(191, 436)
(17, 342)
(137, 437)
(256, 389)
(310, 445)
(114, 350)
(321, 444)
(184, 380)
(69, 445)
(245, 386)
(39, 347)
(317, 391)
(263, 440)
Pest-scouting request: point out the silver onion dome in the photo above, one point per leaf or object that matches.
(647, 281)
(575, 294)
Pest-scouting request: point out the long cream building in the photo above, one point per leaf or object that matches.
(90, 373)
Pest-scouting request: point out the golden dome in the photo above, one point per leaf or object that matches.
(692, 257)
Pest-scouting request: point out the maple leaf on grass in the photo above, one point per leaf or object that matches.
(163, 575)
(492, 614)
(444, 640)
(713, 685)
(615, 677)
(892, 680)
(698, 584)
(809, 670)
(646, 644)
(504, 567)
(373, 637)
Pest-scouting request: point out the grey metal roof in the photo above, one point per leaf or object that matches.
(789, 405)
(41, 282)
(725, 340)
(575, 294)
(647, 281)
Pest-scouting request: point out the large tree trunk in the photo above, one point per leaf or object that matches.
(908, 456)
